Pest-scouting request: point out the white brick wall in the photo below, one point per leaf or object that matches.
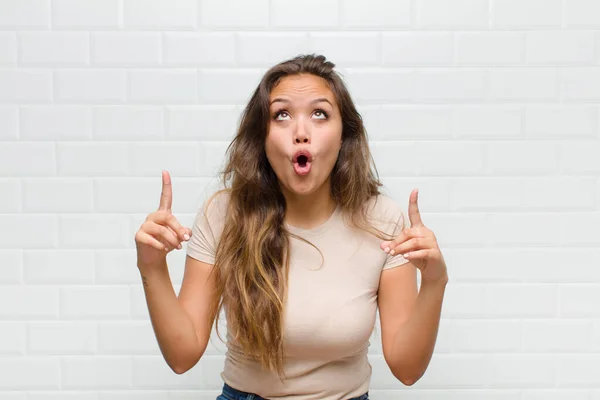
(490, 107)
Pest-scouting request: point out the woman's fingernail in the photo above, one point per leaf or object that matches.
(186, 236)
(387, 250)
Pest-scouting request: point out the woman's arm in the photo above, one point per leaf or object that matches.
(409, 321)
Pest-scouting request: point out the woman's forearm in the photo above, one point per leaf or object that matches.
(415, 339)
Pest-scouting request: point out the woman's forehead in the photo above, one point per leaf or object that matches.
(302, 88)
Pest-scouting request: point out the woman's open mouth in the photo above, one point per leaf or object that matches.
(302, 162)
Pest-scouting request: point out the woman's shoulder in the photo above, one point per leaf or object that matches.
(384, 207)
(386, 214)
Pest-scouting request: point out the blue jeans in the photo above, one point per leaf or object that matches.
(230, 393)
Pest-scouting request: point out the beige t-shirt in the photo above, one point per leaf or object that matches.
(331, 310)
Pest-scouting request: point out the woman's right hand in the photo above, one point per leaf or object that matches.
(161, 232)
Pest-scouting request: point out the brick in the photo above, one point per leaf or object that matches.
(557, 336)
(58, 266)
(90, 86)
(302, 14)
(204, 122)
(581, 84)
(441, 85)
(122, 195)
(373, 85)
(9, 120)
(58, 195)
(532, 14)
(525, 300)
(582, 14)
(123, 123)
(116, 266)
(11, 199)
(160, 14)
(561, 122)
(126, 49)
(54, 49)
(516, 370)
(94, 302)
(375, 14)
(556, 193)
(464, 14)
(583, 233)
(265, 49)
(97, 373)
(27, 302)
(30, 373)
(479, 194)
(8, 49)
(535, 228)
(488, 122)
(579, 300)
(490, 48)
(126, 338)
(228, 87)
(97, 14)
(102, 231)
(180, 159)
(464, 301)
(28, 231)
(525, 84)
(175, 86)
(347, 49)
(449, 158)
(560, 47)
(25, 14)
(486, 336)
(417, 49)
(237, 14)
(13, 338)
(214, 49)
(556, 394)
(15, 159)
(519, 153)
(580, 157)
(412, 122)
(89, 159)
(577, 370)
(26, 86)
(62, 338)
(55, 122)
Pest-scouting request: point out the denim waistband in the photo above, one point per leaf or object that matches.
(234, 394)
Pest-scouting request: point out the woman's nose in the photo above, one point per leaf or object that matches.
(302, 133)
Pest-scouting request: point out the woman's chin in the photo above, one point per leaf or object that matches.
(302, 187)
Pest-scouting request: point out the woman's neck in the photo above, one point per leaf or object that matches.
(309, 211)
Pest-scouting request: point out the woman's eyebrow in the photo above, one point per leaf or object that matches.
(319, 100)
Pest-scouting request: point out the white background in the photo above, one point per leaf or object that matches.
(489, 107)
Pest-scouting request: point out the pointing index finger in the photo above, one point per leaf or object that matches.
(166, 196)
(413, 209)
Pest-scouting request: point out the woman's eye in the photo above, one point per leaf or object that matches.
(280, 114)
(320, 114)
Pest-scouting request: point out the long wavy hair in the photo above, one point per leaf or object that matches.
(252, 256)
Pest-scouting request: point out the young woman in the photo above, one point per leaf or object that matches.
(299, 250)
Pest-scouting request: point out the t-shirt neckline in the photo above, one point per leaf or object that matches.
(317, 229)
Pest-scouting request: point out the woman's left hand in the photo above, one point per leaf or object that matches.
(419, 245)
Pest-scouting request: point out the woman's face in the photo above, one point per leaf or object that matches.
(304, 134)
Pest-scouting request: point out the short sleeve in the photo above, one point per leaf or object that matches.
(206, 230)
(396, 224)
